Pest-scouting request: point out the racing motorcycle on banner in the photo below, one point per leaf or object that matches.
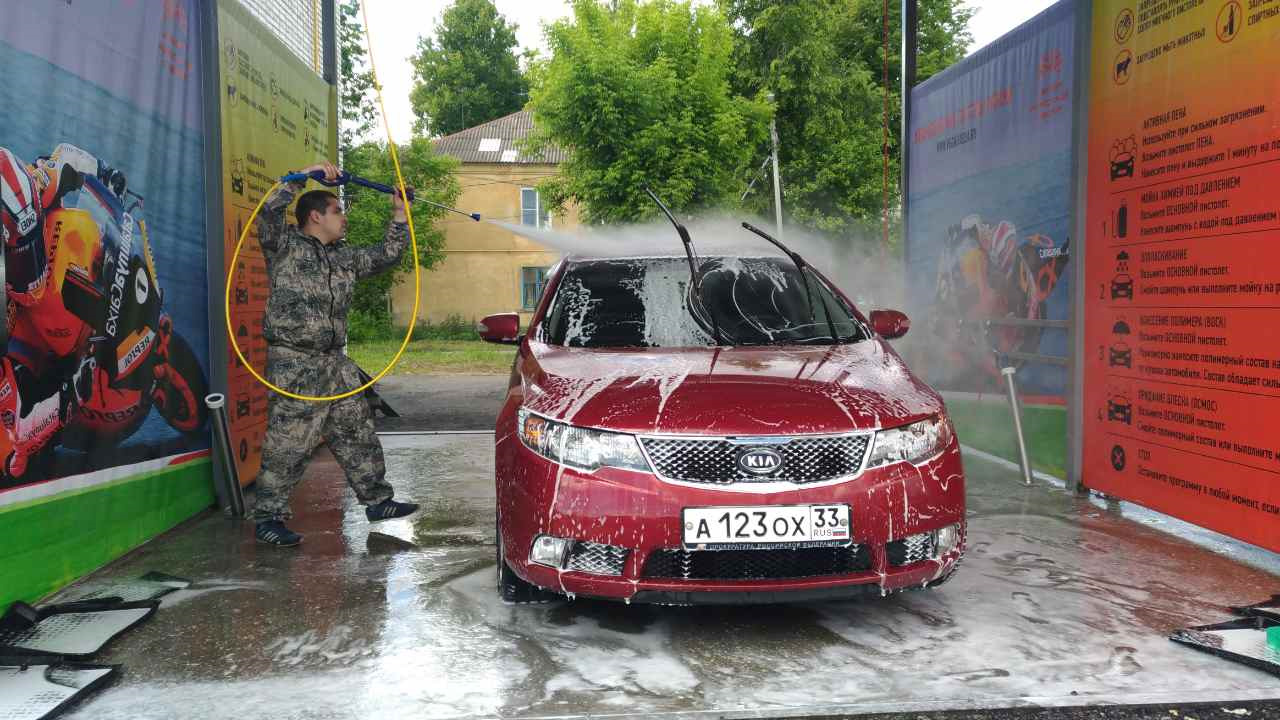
(103, 312)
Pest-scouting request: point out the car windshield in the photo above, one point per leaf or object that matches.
(647, 303)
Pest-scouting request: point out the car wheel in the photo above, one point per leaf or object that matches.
(511, 588)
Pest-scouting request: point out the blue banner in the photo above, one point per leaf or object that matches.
(101, 178)
(989, 209)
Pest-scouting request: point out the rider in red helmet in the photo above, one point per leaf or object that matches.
(35, 404)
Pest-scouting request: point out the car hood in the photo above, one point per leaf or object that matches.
(726, 391)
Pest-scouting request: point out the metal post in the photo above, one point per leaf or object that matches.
(1017, 423)
(777, 178)
(910, 36)
(1079, 243)
(230, 494)
(328, 9)
(216, 253)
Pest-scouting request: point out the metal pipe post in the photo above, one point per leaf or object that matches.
(231, 495)
(777, 173)
(1017, 422)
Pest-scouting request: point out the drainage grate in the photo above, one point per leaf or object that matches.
(777, 564)
(597, 558)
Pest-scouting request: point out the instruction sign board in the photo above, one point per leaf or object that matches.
(277, 115)
(1182, 292)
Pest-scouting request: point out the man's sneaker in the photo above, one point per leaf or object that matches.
(273, 532)
(389, 510)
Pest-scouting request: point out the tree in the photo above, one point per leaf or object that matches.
(638, 94)
(824, 62)
(358, 114)
(432, 178)
(468, 74)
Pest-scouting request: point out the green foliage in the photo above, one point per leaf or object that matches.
(366, 327)
(454, 327)
(824, 61)
(368, 211)
(355, 81)
(467, 74)
(639, 94)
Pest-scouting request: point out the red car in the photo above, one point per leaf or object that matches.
(739, 437)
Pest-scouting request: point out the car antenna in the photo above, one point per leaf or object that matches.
(693, 264)
(800, 266)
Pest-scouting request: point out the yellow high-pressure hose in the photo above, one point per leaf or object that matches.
(413, 239)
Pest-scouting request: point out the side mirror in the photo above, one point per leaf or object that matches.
(889, 324)
(503, 328)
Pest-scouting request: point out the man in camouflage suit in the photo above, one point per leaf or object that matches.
(312, 277)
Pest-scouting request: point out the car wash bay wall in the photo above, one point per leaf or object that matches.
(1170, 235)
(200, 105)
(121, 82)
(989, 246)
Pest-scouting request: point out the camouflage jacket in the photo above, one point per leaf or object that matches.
(311, 284)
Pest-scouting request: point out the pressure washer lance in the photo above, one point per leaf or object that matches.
(230, 494)
(345, 177)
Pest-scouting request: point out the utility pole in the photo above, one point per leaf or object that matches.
(777, 180)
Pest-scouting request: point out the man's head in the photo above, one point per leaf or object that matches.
(320, 215)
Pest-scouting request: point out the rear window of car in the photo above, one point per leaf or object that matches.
(648, 303)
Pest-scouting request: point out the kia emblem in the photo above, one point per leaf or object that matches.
(760, 461)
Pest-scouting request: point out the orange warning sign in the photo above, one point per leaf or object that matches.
(1182, 266)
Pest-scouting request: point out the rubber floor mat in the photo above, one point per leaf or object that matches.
(77, 629)
(151, 586)
(1267, 609)
(1244, 641)
(36, 692)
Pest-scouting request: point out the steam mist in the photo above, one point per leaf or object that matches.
(872, 278)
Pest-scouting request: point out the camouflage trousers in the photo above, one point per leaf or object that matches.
(295, 429)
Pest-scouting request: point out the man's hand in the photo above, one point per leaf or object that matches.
(329, 169)
(398, 206)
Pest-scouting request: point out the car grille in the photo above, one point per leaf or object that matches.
(715, 460)
(911, 549)
(597, 558)
(778, 564)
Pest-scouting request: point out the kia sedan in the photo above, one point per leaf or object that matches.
(739, 435)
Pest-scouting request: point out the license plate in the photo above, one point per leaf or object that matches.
(766, 525)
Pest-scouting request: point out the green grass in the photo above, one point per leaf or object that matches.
(430, 357)
(988, 426)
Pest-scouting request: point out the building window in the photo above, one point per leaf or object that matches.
(532, 213)
(532, 280)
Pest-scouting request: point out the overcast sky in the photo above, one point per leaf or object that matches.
(396, 25)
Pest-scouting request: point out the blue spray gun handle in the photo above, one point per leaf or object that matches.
(343, 178)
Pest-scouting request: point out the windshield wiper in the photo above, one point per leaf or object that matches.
(694, 272)
(800, 266)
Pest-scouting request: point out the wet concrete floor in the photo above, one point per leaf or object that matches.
(1058, 602)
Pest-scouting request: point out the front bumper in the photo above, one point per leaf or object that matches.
(640, 515)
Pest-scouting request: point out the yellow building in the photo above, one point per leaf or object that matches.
(487, 269)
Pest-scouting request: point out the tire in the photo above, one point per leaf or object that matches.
(511, 588)
(181, 401)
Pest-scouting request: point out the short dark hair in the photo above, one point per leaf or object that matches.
(317, 200)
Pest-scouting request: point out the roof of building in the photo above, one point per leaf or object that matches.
(497, 141)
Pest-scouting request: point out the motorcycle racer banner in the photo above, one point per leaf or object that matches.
(277, 115)
(102, 218)
(990, 205)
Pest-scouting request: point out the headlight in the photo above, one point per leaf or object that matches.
(577, 447)
(911, 443)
